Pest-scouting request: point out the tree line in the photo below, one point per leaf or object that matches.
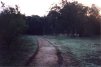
(72, 18)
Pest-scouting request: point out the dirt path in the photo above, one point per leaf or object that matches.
(48, 55)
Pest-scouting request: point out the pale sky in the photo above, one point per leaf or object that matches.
(41, 7)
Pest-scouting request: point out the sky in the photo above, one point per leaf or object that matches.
(41, 7)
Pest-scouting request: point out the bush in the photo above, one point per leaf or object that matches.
(12, 24)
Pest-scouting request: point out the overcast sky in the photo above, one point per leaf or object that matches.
(41, 7)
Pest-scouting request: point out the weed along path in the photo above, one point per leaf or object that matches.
(48, 55)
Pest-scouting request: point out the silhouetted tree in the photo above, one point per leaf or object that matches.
(75, 19)
(53, 18)
(35, 24)
(72, 18)
(12, 23)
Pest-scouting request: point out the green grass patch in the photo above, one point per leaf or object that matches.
(21, 50)
(86, 50)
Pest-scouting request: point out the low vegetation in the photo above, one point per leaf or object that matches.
(86, 50)
(20, 50)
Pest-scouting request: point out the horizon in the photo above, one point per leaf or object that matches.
(41, 8)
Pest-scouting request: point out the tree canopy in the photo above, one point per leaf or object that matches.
(12, 23)
(72, 18)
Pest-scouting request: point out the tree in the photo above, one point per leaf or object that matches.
(79, 19)
(35, 25)
(53, 18)
(72, 18)
(12, 24)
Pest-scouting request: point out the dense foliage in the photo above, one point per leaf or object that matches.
(72, 18)
(12, 24)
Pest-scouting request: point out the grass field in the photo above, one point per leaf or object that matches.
(23, 49)
(20, 51)
(86, 50)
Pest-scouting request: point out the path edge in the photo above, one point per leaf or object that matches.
(33, 56)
